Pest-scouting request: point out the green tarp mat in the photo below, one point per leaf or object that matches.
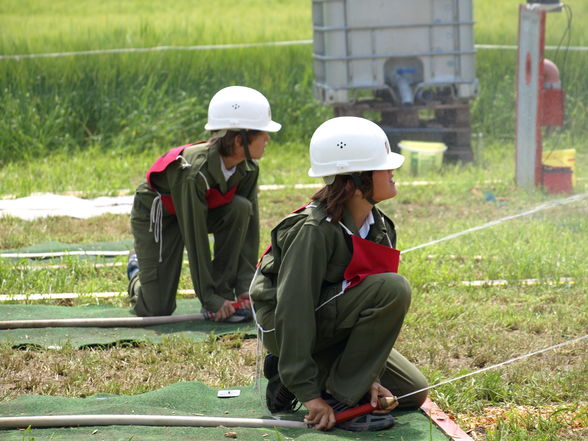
(78, 337)
(190, 399)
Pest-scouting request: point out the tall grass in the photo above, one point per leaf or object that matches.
(35, 26)
(142, 101)
(137, 101)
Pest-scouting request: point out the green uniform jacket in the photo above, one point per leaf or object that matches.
(188, 191)
(303, 269)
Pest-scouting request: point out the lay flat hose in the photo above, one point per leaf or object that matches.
(141, 420)
(102, 322)
(111, 322)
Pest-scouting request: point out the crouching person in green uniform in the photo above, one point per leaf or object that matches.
(194, 190)
(328, 300)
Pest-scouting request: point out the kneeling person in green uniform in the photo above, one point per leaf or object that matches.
(194, 190)
(328, 300)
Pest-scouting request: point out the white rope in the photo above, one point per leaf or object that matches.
(494, 366)
(502, 282)
(183, 162)
(205, 180)
(58, 296)
(259, 327)
(541, 207)
(259, 348)
(42, 266)
(207, 47)
(514, 47)
(156, 223)
(344, 286)
(72, 295)
(62, 254)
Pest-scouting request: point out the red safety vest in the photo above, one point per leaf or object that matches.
(367, 258)
(214, 197)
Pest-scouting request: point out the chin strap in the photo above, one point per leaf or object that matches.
(245, 142)
(357, 181)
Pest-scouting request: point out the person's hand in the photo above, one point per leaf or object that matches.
(244, 297)
(320, 414)
(224, 312)
(377, 391)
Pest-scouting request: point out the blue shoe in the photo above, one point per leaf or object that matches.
(132, 265)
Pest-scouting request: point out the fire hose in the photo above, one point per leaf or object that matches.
(141, 420)
(111, 321)
(186, 421)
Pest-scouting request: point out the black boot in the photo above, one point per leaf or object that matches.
(277, 397)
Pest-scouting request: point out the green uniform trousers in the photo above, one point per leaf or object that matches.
(153, 289)
(356, 333)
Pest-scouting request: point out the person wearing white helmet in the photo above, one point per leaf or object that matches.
(327, 297)
(192, 191)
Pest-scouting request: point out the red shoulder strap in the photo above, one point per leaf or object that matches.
(165, 160)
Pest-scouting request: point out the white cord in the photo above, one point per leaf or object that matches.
(541, 207)
(227, 46)
(156, 221)
(494, 366)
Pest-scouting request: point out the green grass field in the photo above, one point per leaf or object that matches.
(94, 124)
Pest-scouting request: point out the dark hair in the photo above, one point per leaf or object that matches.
(227, 142)
(335, 195)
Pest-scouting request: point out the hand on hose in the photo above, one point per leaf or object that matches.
(377, 391)
(244, 297)
(224, 312)
(320, 414)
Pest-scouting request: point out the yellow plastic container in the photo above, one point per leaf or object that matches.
(561, 158)
(422, 156)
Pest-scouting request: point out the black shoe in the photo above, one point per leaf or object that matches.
(370, 422)
(277, 397)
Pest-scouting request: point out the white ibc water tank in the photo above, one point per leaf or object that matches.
(410, 48)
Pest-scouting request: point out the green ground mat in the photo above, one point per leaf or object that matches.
(189, 399)
(78, 337)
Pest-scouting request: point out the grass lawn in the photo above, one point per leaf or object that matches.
(94, 125)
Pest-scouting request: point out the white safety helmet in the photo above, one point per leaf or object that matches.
(238, 107)
(349, 144)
